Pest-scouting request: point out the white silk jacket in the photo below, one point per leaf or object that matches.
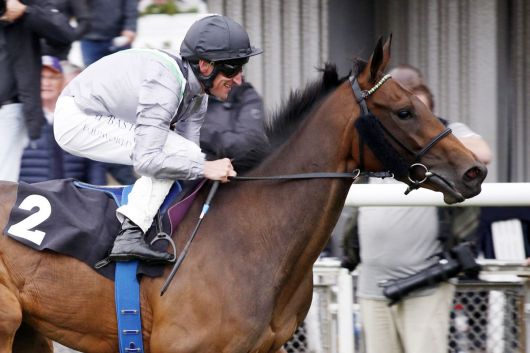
(146, 87)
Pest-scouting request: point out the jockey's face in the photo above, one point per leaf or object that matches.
(222, 85)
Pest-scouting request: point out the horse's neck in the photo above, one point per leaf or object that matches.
(309, 209)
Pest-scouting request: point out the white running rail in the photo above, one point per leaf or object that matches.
(493, 194)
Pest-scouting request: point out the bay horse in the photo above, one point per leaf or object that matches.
(246, 283)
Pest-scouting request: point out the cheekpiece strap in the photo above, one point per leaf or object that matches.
(359, 95)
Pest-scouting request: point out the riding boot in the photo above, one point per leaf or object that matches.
(130, 244)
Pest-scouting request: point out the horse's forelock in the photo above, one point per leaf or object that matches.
(330, 76)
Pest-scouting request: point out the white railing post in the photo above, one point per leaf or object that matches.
(345, 312)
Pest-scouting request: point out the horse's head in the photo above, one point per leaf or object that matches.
(407, 138)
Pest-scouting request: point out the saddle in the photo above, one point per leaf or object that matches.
(77, 219)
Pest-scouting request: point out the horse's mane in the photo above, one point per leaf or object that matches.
(293, 112)
(285, 121)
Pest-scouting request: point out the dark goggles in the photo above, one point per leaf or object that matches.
(230, 68)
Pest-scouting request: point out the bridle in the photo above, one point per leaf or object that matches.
(361, 96)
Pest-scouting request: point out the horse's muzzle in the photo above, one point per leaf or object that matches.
(472, 180)
(468, 185)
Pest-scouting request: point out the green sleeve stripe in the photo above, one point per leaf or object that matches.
(169, 63)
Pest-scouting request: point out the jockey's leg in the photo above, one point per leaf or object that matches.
(137, 216)
(143, 203)
(109, 139)
(10, 318)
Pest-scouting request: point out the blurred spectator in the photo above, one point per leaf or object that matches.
(235, 127)
(44, 159)
(73, 10)
(113, 28)
(20, 68)
(69, 71)
(407, 75)
(477, 145)
(405, 244)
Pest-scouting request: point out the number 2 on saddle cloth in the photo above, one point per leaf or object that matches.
(79, 220)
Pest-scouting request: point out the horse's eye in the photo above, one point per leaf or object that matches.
(404, 114)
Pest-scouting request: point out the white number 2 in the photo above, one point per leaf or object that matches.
(22, 228)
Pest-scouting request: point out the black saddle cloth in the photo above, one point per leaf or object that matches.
(58, 216)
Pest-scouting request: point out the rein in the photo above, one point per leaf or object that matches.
(318, 175)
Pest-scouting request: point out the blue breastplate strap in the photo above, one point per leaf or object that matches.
(126, 285)
(127, 297)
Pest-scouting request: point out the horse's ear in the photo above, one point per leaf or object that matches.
(376, 60)
(386, 53)
(370, 72)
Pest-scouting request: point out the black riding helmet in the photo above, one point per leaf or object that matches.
(220, 40)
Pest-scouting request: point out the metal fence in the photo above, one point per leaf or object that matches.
(488, 316)
(298, 344)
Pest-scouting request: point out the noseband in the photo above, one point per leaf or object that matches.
(361, 96)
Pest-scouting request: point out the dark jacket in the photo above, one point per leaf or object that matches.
(24, 55)
(45, 160)
(235, 128)
(77, 9)
(111, 17)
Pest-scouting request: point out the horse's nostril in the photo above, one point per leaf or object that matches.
(473, 173)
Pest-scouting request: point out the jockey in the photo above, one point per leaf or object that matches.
(145, 107)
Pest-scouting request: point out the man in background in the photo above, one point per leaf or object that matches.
(234, 128)
(21, 115)
(407, 242)
(78, 14)
(43, 159)
(112, 28)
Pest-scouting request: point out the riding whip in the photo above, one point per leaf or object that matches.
(184, 252)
